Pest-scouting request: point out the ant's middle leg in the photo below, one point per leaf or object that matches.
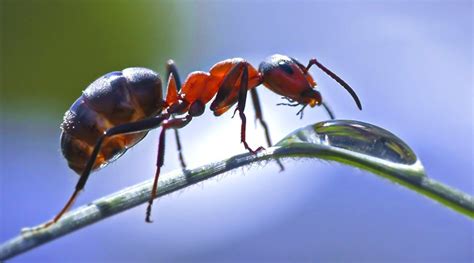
(173, 75)
(180, 149)
(259, 117)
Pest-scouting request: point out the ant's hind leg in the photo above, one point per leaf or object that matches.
(143, 125)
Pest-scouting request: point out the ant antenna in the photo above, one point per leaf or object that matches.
(336, 78)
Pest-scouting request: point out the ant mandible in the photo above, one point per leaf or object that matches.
(117, 110)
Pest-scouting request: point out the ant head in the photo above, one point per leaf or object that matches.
(285, 76)
(288, 77)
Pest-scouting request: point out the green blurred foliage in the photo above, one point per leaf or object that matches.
(51, 50)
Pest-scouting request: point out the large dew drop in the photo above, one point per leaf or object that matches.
(376, 150)
(364, 138)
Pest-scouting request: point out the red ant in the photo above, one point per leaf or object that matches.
(117, 110)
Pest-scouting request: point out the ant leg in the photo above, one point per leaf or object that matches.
(241, 108)
(226, 96)
(176, 123)
(172, 69)
(259, 117)
(143, 125)
(180, 149)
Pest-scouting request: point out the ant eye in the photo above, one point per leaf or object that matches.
(283, 65)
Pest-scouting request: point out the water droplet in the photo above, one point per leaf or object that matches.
(366, 139)
(360, 144)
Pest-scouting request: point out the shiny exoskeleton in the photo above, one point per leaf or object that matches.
(117, 110)
(116, 98)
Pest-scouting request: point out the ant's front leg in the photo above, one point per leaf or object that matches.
(241, 107)
(229, 92)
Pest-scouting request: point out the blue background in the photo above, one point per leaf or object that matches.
(411, 64)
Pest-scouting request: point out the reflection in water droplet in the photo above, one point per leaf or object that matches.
(356, 137)
(364, 138)
(360, 144)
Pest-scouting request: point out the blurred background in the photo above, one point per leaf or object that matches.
(410, 62)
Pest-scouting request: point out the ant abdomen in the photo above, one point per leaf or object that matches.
(113, 99)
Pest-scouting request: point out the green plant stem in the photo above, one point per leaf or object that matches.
(138, 194)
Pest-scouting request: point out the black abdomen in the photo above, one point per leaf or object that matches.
(116, 98)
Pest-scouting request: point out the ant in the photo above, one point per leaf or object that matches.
(117, 110)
